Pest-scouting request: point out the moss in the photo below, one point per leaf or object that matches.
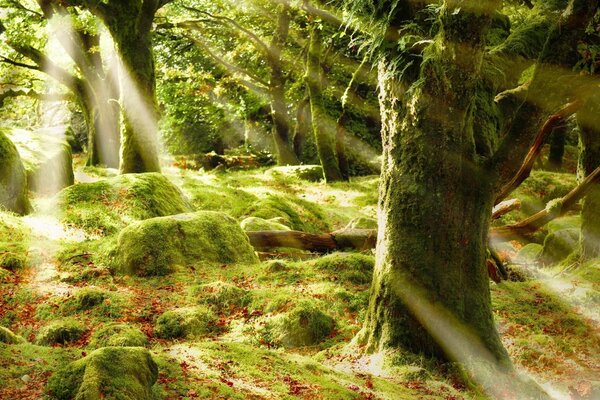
(218, 198)
(352, 267)
(304, 325)
(311, 173)
(253, 224)
(362, 223)
(47, 160)
(106, 206)
(7, 337)
(221, 295)
(559, 245)
(529, 253)
(14, 236)
(118, 335)
(188, 322)
(13, 180)
(62, 332)
(90, 299)
(568, 222)
(275, 266)
(124, 373)
(153, 247)
(298, 214)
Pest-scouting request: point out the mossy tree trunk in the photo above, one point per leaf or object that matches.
(589, 125)
(324, 138)
(303, 128)
(130, 24)
(435, 197)
(279, 111)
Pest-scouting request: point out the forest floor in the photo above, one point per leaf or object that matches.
(548, 318)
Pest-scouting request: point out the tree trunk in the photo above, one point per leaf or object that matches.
(340, 146)
(435, 203)
(557, 147)
(589, 126)
(323, 137)
(279, 112)
(130, 24)
(302, 131)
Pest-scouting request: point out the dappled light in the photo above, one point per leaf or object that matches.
(300, 199)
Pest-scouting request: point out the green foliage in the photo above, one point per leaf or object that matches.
(125, 373)
(189, 322)
(185, 239)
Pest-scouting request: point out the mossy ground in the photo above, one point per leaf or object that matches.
(250, 308)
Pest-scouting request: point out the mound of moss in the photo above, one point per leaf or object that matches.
(154, 246)
(529, 253)
(187, 322)
(218, 198)
(304, 325)
(221, 295)
(7, 337)
(351, 267)
(13, 179)
(253, 224)
(60, 332)
(118, 335)
(124, 373)
(107, 206)
(311, 173)
(298, 214)
(47, 159)
(559, 245)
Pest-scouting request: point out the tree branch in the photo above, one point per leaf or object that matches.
(558, 208)
(535, 150)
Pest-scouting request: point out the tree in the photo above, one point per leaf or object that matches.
(130, 25)
(442, 168)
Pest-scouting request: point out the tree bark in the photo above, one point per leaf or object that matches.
(589, 127)
(323, 137)
(130, 24)
(435, 199)
(279, 111)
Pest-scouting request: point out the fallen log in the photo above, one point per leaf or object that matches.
(505, 207)
(359, 239)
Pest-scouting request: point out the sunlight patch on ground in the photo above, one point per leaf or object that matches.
(48, 227)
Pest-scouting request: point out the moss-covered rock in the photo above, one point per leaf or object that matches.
(7, 337)
(298, 214)
(61, 332)
(87, 298)
(221, 295)
(124, 373)
(118, 335)
(362, 223)
(304, 325)
(13, 180)
(529, 253)
(253, 224)
(107, 206)
(188, 322)
(559, 245)
(568, 222)
(229, 200)
(47, 159)
(154, 246)
(311, 173)
(352, 267)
